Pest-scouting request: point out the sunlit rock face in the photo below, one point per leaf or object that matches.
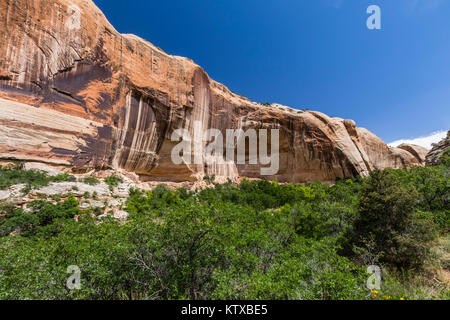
(417, 151)
(435, 154)
(75, 92)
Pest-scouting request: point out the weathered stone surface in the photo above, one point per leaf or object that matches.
(90, 197)
(417, 151)
(75, 188)
(75, 92)
(4, 195)
(432, 158)
(91, 204)
(41, 167)
(121, 215)
(16, 191)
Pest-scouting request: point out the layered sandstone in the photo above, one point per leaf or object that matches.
(75, 92)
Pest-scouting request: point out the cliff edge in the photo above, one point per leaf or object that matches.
(75, 92)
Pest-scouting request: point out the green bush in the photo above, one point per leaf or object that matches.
(10, 175)
(42, 214)
(15, 219)
(255, 240)
(387, 214)
(91, 180)
(113, 181)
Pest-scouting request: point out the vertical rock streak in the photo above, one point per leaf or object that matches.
(65, 61)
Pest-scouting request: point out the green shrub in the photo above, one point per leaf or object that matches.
(387, 214)
(113, 181)
(91, 180)
(255, 240)
(43, 213)
(11, 175)
(63, 177)
(33, 179)
(15, 219)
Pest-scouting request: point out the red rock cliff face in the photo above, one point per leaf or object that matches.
(75, 92)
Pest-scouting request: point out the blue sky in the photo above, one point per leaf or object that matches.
(315, 54)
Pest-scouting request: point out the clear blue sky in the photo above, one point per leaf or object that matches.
(315, 54)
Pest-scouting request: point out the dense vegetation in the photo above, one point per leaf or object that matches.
(16, 174)
(256, 240)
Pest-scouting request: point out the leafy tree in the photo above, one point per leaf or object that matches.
(387, 214)
(255, 240)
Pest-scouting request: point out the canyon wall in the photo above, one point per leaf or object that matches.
(75, 92)
(438, 150)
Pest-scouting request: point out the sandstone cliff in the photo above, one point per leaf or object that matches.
(417, 151)
(432, 158)
(75, 92)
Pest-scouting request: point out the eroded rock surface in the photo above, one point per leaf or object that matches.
(100, 197)
(74, 92)
(417, 151)
(438, 150)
